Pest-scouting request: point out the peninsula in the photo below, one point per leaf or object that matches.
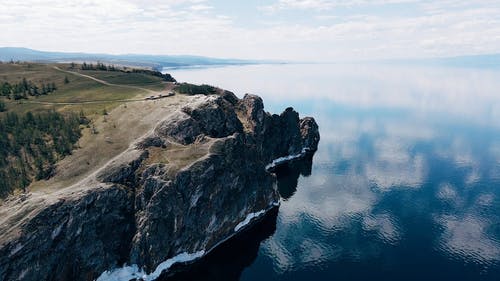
(175, 178)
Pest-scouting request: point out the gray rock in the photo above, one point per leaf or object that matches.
(309, 132)
(123, 171)
(180, 127)
(213, 116)
(153, 141)
(73, 239)
(145, 213)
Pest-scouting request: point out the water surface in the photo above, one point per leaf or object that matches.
(405, 184)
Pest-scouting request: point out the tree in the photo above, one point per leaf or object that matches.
(35, 90)
(66, 80)
(24, 84)
(6, 89)
(30, 145)
(2, 106)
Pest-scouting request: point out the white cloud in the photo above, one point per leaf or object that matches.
(447, 192)
(201, 7)
(327, 4)
(467, 238)
(200, 27)
(384, 225)
(299, 4)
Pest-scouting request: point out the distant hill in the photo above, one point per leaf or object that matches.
(157, 62)
(476, 61)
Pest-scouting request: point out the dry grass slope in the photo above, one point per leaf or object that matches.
(120, 94)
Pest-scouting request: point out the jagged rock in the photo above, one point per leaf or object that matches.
(209, 196)
(123, 171)
(309, 132)
(180, 127)
(143, 211)
(253, 109)
(73, 239)
(154, 141)
(213, 116)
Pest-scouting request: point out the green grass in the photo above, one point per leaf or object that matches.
(79, 89)
(123, 125)
(123, 78)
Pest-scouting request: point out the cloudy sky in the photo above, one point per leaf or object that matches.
(315, 30)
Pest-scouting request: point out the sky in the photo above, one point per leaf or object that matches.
(300, 30)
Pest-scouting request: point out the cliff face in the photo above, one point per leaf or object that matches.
(194, 182)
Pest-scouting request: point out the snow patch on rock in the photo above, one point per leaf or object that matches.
(133, 271)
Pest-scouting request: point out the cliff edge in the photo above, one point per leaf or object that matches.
(200, 177)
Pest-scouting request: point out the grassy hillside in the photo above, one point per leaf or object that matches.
(38, 130)
(80, 90)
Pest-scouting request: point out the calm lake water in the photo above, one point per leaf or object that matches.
(405, 184)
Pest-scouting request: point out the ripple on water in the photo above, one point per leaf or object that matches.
(467, 238)
(385, 226)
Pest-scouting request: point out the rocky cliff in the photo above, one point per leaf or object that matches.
(195, 181)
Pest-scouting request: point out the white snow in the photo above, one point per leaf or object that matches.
(252, 216)
(183, 257)
(249, 218)
(133, 271)
(284, 159)
(122, 273)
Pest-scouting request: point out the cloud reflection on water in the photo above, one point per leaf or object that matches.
(401, 148)
(467, 238)
(361, 163)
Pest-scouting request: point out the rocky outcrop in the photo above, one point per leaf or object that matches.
(72, 239)
(198, 179)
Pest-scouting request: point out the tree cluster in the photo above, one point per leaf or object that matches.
(98, 66)
(25, 88)
(190, 89)
(166, 77)
(30, 145)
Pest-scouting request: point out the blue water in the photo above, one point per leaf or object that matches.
(405, 184)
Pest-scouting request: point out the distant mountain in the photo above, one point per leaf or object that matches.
(478, 61)
(154, 61)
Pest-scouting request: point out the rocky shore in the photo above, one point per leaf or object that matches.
(203, 175)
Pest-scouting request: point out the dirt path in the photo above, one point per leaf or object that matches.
(104, 82)
(77, 172)
(81, 102)
(101, 82)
